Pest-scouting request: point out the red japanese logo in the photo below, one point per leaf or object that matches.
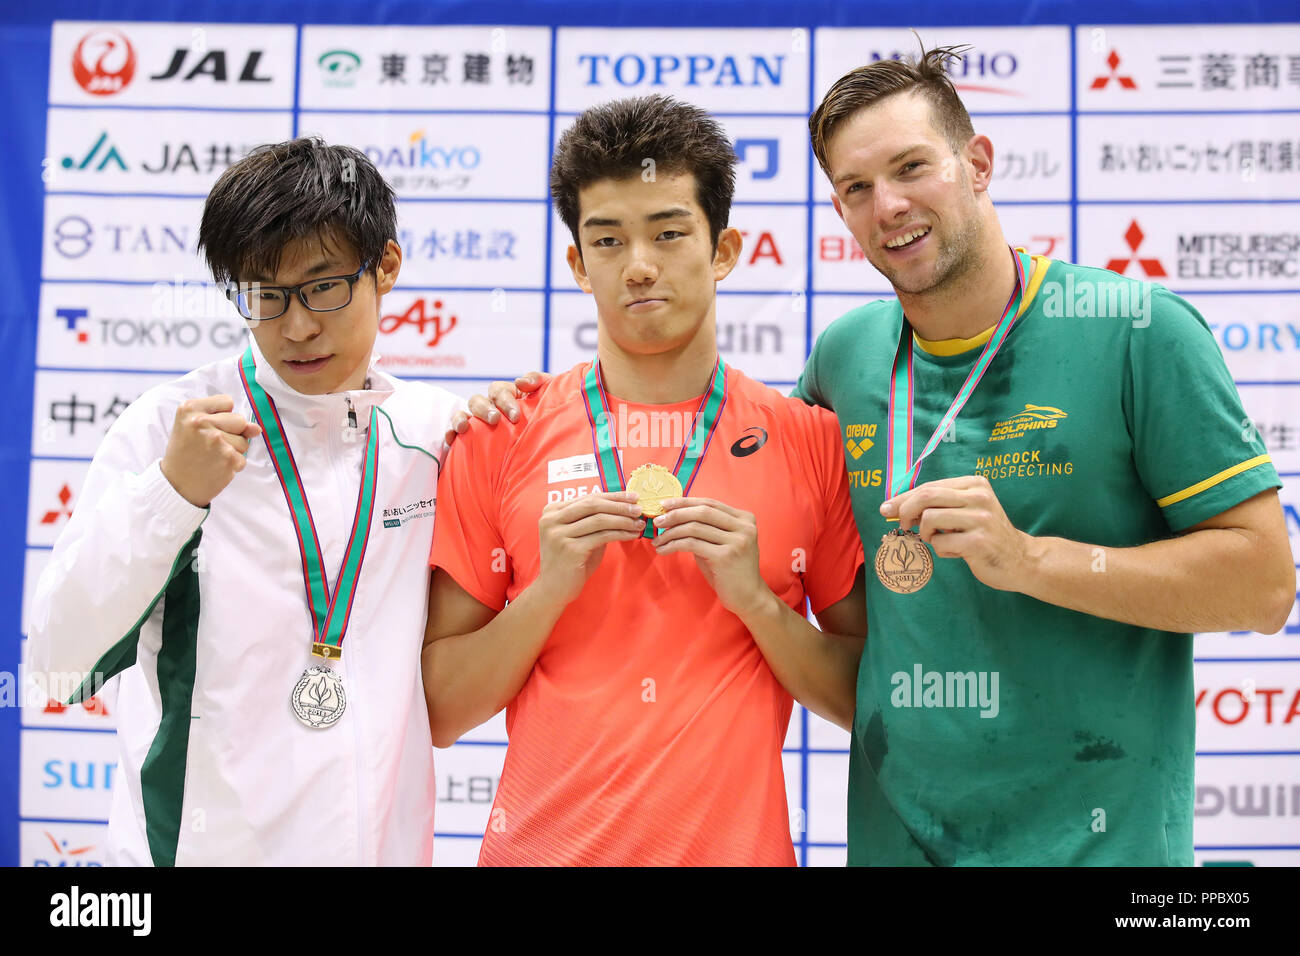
(65, 495)
(103, 62)
(1112, 61)
(1134, 236)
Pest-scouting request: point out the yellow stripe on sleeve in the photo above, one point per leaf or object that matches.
(1210, 482)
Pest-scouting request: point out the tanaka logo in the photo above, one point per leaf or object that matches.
(1126, 82)
(103, 62)
(1134, 236)
(1032, 418)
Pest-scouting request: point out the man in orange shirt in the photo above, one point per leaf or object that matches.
(645, 642)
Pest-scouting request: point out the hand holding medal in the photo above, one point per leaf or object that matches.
(903, 563)
(724, 541)
(962, 518)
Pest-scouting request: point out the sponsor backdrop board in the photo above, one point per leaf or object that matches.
(1166, 151)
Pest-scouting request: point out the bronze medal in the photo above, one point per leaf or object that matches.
(653, 484)
(903, 562)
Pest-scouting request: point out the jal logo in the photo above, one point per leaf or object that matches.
(425, 317)
(1123, 81)
(190, 63)
(753, 439)
(974, 71)
(65, 854)
(78, 775)
(103, 62)
(687, 70)
(339, 67)
(1134, 237)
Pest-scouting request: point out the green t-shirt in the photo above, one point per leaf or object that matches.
(992, 728)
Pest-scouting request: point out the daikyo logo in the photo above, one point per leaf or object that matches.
(422, 154)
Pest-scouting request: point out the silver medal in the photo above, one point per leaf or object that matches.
(318, 700)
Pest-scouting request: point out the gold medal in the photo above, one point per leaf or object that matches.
(903, 562)
(653, 484)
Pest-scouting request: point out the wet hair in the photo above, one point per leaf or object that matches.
(284, 192)
(614, 141)
(868, 85)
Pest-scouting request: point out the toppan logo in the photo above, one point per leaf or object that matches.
(212, 64)
(339, 67)
(103, 62)
(694, 69)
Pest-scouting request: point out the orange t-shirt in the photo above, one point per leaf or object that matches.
(650, 729)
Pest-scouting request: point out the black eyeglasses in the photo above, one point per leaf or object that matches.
(258, 302)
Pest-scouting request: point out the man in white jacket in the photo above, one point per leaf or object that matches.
(249, 553)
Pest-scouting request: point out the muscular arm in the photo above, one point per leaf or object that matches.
(475, 660)
(1233, 571)
(818, 667)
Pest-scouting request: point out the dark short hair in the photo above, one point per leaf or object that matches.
(613, 140)
(868, 85)
(289, 191)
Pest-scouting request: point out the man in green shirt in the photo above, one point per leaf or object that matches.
(1094, 493)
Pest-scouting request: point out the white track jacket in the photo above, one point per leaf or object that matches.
(203, 613)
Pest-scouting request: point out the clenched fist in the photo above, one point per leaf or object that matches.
(206, 448)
